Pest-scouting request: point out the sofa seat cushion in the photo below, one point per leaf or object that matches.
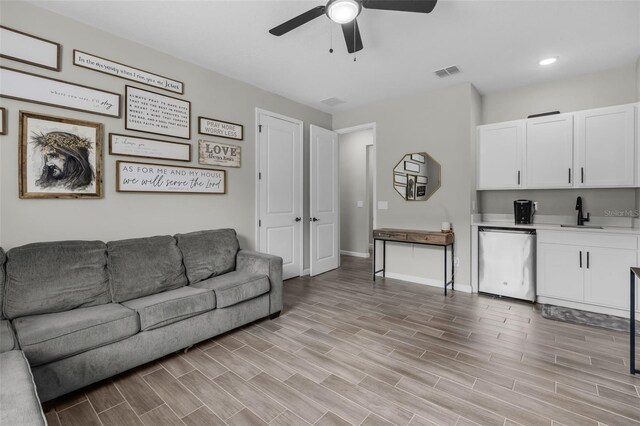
(235, 287)
(171, 306)
(19, 403)
(50, 337)
(7, 339)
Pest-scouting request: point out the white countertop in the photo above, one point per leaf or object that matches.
(546, 223)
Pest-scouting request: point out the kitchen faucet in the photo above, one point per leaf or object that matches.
(581, 219)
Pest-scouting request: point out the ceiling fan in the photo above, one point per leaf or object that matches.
(345, 12)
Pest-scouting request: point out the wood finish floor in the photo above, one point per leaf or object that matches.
(345, 352)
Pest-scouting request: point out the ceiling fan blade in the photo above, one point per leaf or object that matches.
(299, 20)
(351, 31)
(419, 6)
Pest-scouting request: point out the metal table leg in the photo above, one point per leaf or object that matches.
(453, 266)
(445, 271)
(374, 260)
(384, 258)
(632, 325)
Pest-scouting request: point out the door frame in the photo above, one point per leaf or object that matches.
(367, 126)
(300, 125)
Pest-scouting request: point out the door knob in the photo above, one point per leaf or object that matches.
(313, 219)
(298, 219)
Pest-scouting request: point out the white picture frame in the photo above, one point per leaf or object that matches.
(221, 129)
(411, 167)
(107, 66)
(29, 49)
(219, 154)
(155, 113)
(418, 157)
(28, 87)
(136, 146)
(163, 178)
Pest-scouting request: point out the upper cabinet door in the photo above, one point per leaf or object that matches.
(499, 155)
(605, 147)
(549, 152)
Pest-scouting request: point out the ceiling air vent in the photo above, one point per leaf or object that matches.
(446, 72)
(332, 101)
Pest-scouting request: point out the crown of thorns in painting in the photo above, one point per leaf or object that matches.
(66, 160)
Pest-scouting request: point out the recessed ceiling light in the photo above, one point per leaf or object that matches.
(548, 61)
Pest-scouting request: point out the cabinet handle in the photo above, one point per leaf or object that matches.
(569, 174)
(580, 258)
(581, 174)
(518, 177)
(587, 260)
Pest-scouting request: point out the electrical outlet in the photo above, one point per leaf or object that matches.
(456, 261)
(360, 203)
(535, 206)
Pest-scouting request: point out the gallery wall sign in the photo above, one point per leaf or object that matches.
(162, 178)
(29, 49)
(107, 66)
(152, 112)
(135, 146)
(223, 129)
(218, 154)
(59, 157)
(24, 86)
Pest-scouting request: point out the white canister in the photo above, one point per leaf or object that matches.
(446, 226)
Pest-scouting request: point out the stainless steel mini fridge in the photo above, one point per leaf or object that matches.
(507, 262)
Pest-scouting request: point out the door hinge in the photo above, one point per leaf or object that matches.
(259, 128)
(259, 223)
(259, 175)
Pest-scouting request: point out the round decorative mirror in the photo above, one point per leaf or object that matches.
(416, 177)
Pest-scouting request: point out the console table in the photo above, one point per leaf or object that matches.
(635, 272)
(410, 236)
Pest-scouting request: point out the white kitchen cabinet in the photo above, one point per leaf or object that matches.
(607, 276)
(499, 155)
(585, 270)
(605, 147)
(559, 272)
(549, 152)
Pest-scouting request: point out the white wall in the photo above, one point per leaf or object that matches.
(439, 123)
(611, 87)
(121, 215)
(354, 220)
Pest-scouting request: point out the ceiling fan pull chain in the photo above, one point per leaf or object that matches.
(355, 31)
(330, 38)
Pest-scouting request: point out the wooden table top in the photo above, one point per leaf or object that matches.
(418, 236)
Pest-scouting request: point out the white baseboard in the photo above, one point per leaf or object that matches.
(354, 253)
(465, 288)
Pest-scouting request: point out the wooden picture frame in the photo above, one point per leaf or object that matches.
(37, 89)
(220, 128)
(151, 177)
(136, 146)
(219, 154)
(127, 72)
(3, 121)
(23, 47)
(59, 157)
(138, 104)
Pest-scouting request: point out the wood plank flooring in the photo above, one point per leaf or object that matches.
(346, 352)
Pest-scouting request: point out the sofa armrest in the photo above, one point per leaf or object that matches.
(266, 264)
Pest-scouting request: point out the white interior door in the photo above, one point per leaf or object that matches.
(280, 194)
(324, 198)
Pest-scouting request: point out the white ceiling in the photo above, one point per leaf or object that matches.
(496, 44)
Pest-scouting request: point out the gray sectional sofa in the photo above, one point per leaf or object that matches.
(82, 311)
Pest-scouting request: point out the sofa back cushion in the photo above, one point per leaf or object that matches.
(54, 277)
(144, 266)
(207, 254)
(3, 259)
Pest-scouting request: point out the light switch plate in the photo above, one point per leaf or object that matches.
(360, 203)
(383, 205)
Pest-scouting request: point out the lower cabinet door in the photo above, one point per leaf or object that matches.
(607, 276)
(559, 272)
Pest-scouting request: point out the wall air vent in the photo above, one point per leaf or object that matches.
(332, 101)
(446, 72)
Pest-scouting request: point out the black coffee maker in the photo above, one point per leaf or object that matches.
(523, 212)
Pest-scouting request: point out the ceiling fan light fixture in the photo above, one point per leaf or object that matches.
(343, 11)
(548, 61)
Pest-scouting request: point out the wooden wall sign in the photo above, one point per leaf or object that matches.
(219, 154)
(152, 112)
(135, 146)
(29, 49)
(24, 86)
(162, 178)
(223, 129)
(106, 66)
